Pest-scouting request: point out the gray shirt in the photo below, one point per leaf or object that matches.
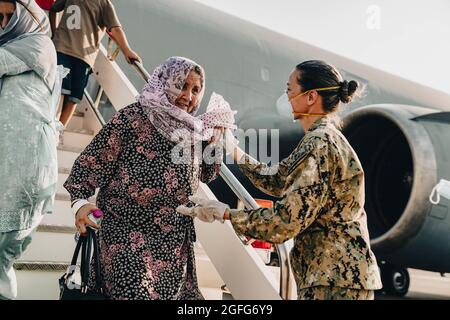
(82, 27)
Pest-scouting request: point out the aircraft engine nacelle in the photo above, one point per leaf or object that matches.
(404, 151)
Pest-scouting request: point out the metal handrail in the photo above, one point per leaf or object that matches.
(141, 70)
(250, 203)
(226, 174)
(112, 55)
(94, 108)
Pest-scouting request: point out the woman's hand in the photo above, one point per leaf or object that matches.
(217, 135)
(82, 219)
(205, 210)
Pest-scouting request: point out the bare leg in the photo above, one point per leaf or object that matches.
(67, 112)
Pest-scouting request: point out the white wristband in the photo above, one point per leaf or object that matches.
(77, 205)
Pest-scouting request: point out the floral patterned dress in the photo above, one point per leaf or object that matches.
(146, 247)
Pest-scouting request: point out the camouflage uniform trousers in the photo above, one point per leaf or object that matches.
(334, 293)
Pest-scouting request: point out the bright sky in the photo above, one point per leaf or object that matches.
(409, 38)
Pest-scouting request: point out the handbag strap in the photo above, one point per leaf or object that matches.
(91, 243)
(85, 260)
(77, 251)
(96, 257)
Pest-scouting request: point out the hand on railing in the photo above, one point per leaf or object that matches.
(129, 54)
(132, 58)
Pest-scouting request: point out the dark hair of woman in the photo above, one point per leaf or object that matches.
(316, 74)
(198, 71)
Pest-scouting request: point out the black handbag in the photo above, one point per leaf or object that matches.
(72, 291)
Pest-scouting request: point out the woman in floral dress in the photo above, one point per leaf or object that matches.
(146, 247)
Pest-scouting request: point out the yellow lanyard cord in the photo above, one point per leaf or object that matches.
(309, 114)
(303, 93)
(319, 89)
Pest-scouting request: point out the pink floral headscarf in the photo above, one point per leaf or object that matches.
(160, 93)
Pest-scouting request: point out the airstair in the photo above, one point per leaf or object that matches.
(223, 259)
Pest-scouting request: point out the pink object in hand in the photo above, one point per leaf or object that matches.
(97, 214)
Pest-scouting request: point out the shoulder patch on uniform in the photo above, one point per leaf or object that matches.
(300, 154)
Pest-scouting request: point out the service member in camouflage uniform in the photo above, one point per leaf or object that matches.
(321, 186)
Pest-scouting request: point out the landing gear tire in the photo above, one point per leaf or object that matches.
(395, 280)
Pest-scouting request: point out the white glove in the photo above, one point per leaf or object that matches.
(231, 145)
(206, 210)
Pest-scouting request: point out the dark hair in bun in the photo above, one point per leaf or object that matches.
(347, 90)
(315, 74)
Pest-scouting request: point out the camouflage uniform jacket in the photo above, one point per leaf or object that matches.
(321, 186)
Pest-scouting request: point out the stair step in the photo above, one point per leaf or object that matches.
(77, 121)
(44, 275)
(66, 148)
(62, 170)
(212, 293)
(50, 247)
(44, 263)
(61, 216)
(41, 266)
(62, 197)
(62, 177)
(67, 156)
(56, 228)
(38, 285)
(81, 131)
(78, 138)
(66, 197)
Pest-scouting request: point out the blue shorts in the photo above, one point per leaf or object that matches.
(75, 82)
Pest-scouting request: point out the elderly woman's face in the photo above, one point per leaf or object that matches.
(6, 12)
(188, 98)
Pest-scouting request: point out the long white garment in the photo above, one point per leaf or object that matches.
(28, 156)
